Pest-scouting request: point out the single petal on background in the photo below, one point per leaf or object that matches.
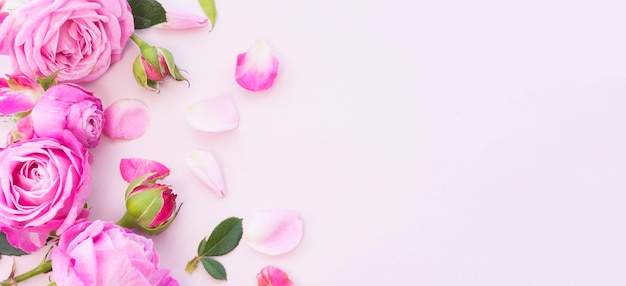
(273, 276)
(206, 168)
(273, 232)
(257, 68)
(126, 119)
(178, 20)
(215, 114)
(133, 168)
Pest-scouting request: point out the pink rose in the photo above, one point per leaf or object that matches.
(102, 253)
(44, 188)
(79, 39)
(68, 108)
(18, 94)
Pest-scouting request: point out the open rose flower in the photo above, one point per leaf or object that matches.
(69, 108)
(44, 188)
(79, 39)
(102, 253)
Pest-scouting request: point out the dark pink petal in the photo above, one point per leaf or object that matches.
(216, 114)
(126, 118)
(205, 167)
(257, 68)
(273, 276)
(178, 20)
(133, 168)
(26, 240)
(273, 232)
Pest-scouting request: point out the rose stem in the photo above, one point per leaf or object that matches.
(126, 221)
(138, 41)
(43, 267)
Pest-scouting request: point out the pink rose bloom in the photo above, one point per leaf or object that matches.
(79, 39)
(102, 253)
(44, 188)
(65, 109)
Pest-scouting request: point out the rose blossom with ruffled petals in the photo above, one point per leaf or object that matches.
(69, 107)
(44, 188)
(79, 39)
(102, 253)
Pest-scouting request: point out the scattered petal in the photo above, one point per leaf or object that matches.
(126, 118)
(178, 20)
(133, 168)
(205, 167)
(216, 114)
(273, 232)
(257, 68)
(273, 276)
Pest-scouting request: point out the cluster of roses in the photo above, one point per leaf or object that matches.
(45, 176)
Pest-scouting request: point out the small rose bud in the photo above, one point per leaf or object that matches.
(153, 207)
(153, 65)
(18, 95)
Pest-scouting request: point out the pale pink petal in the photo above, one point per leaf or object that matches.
(273, 232)
(178, 20)
(273, 276)
(126, 118)
(216, 114)
(133, 168)
(257, 68)
(205, 167)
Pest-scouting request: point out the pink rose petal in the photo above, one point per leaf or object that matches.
(178, 20)
(133, 168)
(273, 276)
(205, 167)
(257, 68)
(216, 114)
(126, 118)
(273, 232)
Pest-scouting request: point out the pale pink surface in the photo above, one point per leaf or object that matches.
(68, 107)
(214, 114)
(273, 232)
(79, 39)
(256, 68)
(133, 168)
(179, 20)
(206, 168)
(127, 118)
(44, 187)
(101, 253)
(273, 276)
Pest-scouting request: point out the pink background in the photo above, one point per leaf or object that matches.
(423, 143)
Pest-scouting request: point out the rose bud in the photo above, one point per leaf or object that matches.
(153, 65)
(18, 95)
(151, 206)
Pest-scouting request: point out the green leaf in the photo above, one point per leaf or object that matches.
(208, 6)
(214, 268)
(8, 249)
(224, 238)
(147, 13)
(47, 82)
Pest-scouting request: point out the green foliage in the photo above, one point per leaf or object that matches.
(208, 6)
(147, 13)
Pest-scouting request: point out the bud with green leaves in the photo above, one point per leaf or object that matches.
(153, 65)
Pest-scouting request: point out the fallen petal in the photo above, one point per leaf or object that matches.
(273, 276)
(133, 168)
(216, 114)
(126, 119)
(273, 232)
(205, 167)
(257, 68)
(177, 20)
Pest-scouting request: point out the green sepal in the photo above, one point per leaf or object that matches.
(209, 9)
(147, 13)
(151, 55)
(145, 204)
(159, 229)
(48, 81)
(7, 249)
(223, 239)
(214, 268)
(171, 65)
(139, 72)
(139, 181)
